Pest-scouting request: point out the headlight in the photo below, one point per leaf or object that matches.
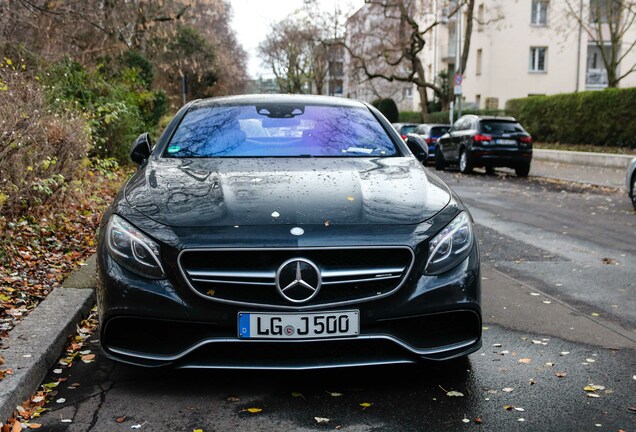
(132, 249)
(451, 246)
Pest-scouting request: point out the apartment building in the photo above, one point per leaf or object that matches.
(518, 48)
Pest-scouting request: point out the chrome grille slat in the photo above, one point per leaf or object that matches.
(359, 280)
(246, 276)
(234, 282)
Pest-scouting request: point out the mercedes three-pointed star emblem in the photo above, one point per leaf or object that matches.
(298, 280)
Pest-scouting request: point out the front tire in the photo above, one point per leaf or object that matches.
(522, 170)
(634, 192)
(465, 164)
(440, 163)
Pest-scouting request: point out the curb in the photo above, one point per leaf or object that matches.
(36, 342)
(583, 158)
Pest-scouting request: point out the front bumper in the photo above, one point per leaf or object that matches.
(159, 323)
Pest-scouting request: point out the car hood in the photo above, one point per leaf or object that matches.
(294, 191)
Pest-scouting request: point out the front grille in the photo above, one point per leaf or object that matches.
(248, 276)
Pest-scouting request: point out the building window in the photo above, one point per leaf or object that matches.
(478, 101)
(537, 59)
(407, 92)
(539, 12)
(479, 56)
(492, 103)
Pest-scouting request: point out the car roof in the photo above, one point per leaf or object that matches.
(490, 117)
(435, 124)
(279, 98)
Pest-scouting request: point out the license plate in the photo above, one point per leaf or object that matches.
(506, 141)
(298, 326)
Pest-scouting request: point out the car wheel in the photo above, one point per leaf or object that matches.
(465, 164)
(490, 170)
(440, 164)
(634, 192)
(522, 170)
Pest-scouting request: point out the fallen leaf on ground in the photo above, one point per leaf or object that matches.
(560, 374)
(465, 420)
(121, 419)
(454, 393)
(525, 360)
(198, 430)
(297, 395)
(17, 427)
(478, 420)
(365, 405)
(34, 425)
(508, 407)
(564, 353)
(233, 399)
(322, 420)
(88, 358)
(138, 426)
(334, 394)
(507, 389)
(252, 410)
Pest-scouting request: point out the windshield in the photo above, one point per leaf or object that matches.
(438, 131)
(499, 127)
(274, 130)
(407, 129)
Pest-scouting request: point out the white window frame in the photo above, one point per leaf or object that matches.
(533, 66)
(535, 12)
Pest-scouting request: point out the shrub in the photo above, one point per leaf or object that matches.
(411, 116)
(389, 109)
(444, 116)
(40, 150)
(117, 103)
(603, 118)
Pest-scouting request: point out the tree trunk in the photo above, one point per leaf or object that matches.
(419, 70)
(467, 34)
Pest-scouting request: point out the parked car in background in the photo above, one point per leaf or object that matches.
(405, 128)
(430, 134)
(485, 141)
(318, 242)
(630, 181)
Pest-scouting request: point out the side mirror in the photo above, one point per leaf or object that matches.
(417, 146)
(140, 150)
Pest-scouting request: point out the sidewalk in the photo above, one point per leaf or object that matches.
(599, 176)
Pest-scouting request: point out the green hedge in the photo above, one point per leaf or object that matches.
(603, 118)
(440, 116)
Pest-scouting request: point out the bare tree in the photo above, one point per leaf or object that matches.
(390, 48)
(288, 49)
(608, 25)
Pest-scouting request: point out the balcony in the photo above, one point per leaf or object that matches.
(596, 79)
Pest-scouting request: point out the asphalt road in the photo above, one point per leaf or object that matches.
(559, 281)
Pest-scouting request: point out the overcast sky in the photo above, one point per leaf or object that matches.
(252, 20)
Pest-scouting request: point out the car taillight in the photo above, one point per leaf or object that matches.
(403, 137)
(481, 138)
(430, 140)
(526, 139)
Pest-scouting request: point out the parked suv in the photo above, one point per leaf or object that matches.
(430, 134)
(485, 141)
